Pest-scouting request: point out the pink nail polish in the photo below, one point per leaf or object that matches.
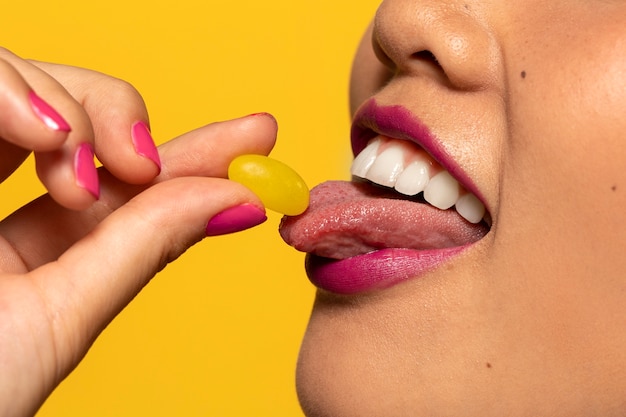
(47, 114)
(85, 169)
(235, 219)
(144, 144)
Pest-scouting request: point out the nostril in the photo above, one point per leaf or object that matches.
(426, 56)
(426, 63)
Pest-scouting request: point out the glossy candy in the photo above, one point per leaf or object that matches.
(278, 186)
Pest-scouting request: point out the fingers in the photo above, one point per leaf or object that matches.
(93, 281)
(41, 231)
(74, 114)
(97, 276)
(118, 132)
(26, 121)
(123, 141)
(209, 150)
(64, 167)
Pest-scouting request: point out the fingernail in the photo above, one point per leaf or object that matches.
(264, 114)
(85, 169)
(144, 144)
(235, 219)
(47, 114)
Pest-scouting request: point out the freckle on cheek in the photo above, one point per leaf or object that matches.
(523, 74)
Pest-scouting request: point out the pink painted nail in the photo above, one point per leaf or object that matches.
(144, 144)
(85, 169)
(235, 219)
(47, 114)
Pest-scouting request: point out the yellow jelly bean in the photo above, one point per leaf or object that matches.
(279, 187)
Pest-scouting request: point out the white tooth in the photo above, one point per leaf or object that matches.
(365, 159)
(387, 166)
(470, 208)
(442, 191)
(413, 179)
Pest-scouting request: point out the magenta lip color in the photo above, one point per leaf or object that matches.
(384, 268)
(375, 270)
(397, 122)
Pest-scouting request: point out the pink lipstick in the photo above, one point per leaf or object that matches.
(397, 122)
(360, 237)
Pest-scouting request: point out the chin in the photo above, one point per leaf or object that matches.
(370, 357)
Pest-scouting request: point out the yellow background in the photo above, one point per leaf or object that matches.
(217, 333)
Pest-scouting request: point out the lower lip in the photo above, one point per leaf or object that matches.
(375, 270)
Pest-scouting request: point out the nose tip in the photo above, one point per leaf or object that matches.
(448, 40)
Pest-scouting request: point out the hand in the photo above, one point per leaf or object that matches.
(58, 111)
(64, 273)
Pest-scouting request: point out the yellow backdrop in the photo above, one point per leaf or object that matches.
(199, 340)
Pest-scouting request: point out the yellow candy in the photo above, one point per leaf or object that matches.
(279, 187)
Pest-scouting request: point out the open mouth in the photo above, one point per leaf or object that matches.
(399, 198)
(411, 171)
(403, 213)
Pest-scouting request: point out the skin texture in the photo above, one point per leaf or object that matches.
(528, 97)
(64, 273)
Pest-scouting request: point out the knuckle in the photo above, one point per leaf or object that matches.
(123, 90)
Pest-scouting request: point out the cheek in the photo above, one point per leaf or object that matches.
(562, 220)
(566, 153)
(563, 177)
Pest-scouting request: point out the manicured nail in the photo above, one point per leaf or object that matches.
(85, 169)
(144, 144)
(47, 114)
(235, 219)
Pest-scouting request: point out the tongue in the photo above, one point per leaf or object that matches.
(346, 219)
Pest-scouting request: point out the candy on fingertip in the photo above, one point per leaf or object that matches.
(279, 187)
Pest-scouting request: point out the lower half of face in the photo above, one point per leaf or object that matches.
(510, 301)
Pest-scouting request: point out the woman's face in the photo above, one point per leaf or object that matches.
(523, 313)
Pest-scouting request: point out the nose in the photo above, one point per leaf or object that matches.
(447, 40)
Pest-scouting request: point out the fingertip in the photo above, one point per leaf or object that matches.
(131, 157)
(26, 119)
(265, 126)
(85, 172)
(144, 143)
(267, 117)
(70, 176)
(47, 114)
(235, 219)
(123, 138)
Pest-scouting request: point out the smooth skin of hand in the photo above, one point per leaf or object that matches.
(64, 273)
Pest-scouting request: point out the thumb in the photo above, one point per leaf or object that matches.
(98, 276)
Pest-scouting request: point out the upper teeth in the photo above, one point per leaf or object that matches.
(398, 164)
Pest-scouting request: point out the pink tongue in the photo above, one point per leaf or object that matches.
(346, 219)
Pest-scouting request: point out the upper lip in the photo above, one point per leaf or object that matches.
(397, 122)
